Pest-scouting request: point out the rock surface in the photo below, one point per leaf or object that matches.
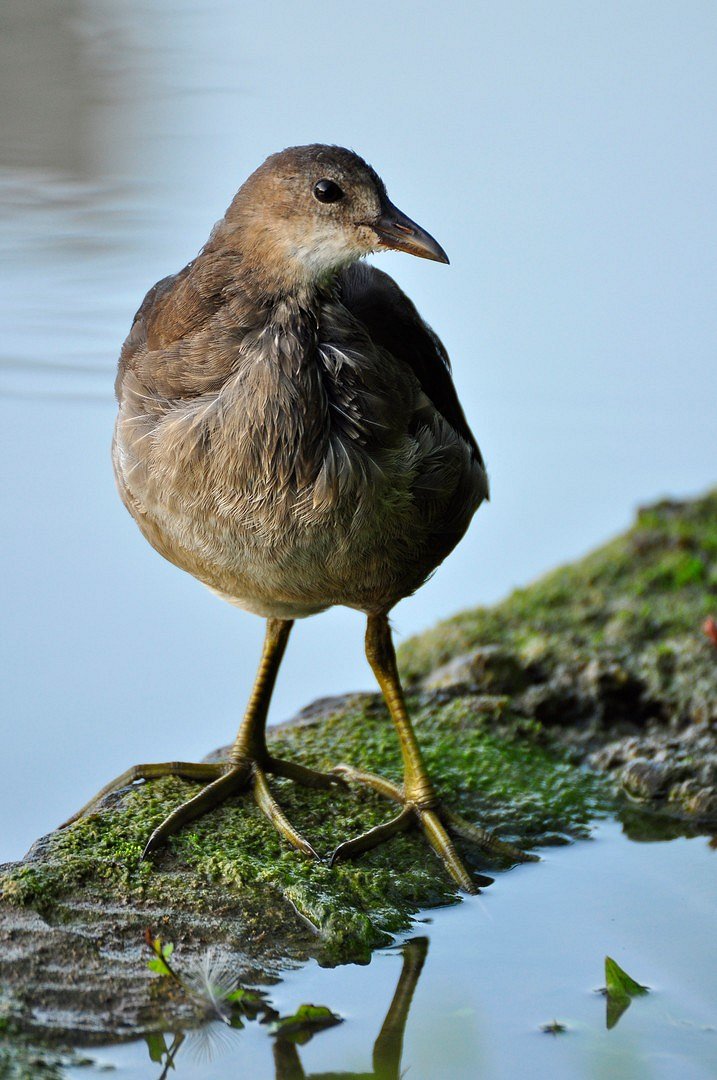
(603, 662)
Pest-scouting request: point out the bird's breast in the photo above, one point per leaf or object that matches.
(293, 434)
(299, 482)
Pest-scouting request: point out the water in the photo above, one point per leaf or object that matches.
(527, 952)
(564, 156)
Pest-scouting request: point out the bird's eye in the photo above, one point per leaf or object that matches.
(327, 191)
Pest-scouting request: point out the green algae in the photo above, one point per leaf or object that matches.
(489, 764)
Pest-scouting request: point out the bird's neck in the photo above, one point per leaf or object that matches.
(279, 259)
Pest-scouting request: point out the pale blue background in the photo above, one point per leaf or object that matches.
(564, 153)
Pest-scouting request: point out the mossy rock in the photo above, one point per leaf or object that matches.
(637, 599)
(489, 764)
(229, 878)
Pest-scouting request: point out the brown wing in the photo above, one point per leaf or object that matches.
(394, 324)
(181, 343)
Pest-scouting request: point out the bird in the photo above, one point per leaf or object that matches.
(289, 433)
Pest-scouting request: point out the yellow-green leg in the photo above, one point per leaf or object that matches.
(417, 796)
(249, 762)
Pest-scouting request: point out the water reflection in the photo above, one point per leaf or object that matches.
(210, 1041)
(648, 826)
(388, 1048)
(67, 214)
(47, 84)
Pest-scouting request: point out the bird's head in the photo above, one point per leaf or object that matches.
(309, 210)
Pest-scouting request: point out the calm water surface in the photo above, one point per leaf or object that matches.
(565, 157)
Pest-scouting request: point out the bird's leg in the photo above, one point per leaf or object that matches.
(249, 748)
(249, 762)
(417, 796)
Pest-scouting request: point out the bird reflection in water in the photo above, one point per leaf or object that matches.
(387, 1049)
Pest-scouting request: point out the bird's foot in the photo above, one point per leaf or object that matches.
(436, 821)
(225, 779)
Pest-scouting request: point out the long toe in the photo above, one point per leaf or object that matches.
(373, 837)
(485, 840)
(351, 775)
(187, 770)
(443, 846)
(269, 806)
(300, 774)
(211, 796)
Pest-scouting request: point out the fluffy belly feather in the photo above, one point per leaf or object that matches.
(363, 531)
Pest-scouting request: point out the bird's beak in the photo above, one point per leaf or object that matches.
(398, 232)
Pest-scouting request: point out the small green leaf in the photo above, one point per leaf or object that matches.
(243, 997)
(162, 953)
(159, 966)
(156, 1046)
(615, 1006)
(618, 982)
(305, 1022)
(620, 988)
(251, 1004)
